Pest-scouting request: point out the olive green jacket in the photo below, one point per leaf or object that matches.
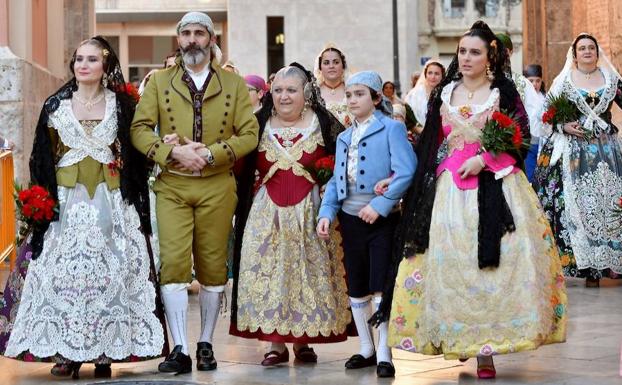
(230, 128)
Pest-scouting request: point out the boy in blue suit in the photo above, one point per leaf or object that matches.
(372, 149)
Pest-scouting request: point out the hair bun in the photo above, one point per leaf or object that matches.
(481, 25)
(301, 67)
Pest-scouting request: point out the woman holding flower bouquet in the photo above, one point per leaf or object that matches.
(479, 274)
(89, 292)
(579, 174)
(289, 286)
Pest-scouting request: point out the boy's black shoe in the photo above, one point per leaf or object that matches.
(205, 357)
(385, 369)
(176, 362)
(357, 361)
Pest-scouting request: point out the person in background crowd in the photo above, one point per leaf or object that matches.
(230, 67)
(330, 71)
(417, 98)
(388, 90)
(533, 102)
(533, 73)
(579, 174)
(399, 113)
(256, 89)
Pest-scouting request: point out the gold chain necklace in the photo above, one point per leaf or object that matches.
(587, 74)
(90, 103)
(333, 89)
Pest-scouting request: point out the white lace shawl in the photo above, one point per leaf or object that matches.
(97, 144)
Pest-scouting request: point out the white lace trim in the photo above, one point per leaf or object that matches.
(593, 121)
(97, 144)
(591, 216)
(89, 293)
(475, 108)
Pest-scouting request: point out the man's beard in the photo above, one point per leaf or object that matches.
(193, 54)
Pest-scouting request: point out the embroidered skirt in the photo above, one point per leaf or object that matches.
(445, 304)
(91, 293)
(291, 284)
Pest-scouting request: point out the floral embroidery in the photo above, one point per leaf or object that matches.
(486, 350)
(406, 344)
(466, 112)
(417, 276)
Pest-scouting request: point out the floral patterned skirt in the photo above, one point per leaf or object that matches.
(291, 285)
(580, 195)
(445, 304)
(91, 294)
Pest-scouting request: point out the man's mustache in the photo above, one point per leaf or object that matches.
(193, 48)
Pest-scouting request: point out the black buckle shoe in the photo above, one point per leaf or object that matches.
(102, 371)
(176, 362)
(357, 361)
(385, 369)
(205, 357)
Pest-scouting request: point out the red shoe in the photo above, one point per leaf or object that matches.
(486, 371)
(273, 358)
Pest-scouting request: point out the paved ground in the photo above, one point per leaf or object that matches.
(591, 356)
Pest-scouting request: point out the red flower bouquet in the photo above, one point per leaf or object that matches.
(322, 169)
(560, 110)
(501, 133)
(130, 90)
(34, 205)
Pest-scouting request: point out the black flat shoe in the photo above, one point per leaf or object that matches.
(357, 361)
(102, 371)
(176, 362)
(205, 357)
(385, 369)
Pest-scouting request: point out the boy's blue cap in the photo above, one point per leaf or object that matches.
(370, 79)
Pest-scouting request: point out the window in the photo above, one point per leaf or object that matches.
(276, 43)
(487, 8)
(453, 8)
(147, 53)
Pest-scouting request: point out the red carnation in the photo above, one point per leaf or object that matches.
(27, 210)
(548, 116)
(24, 195)
(517, 138)
(503, 120)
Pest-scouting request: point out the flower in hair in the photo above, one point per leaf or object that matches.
(105, 52)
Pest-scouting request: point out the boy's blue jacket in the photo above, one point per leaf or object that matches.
(383, 150)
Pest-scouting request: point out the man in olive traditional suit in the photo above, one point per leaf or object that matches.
(209, 111)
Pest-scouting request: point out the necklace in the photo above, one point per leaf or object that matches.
(471, 93)
(88, 104)
(587, 74)
(333, 89)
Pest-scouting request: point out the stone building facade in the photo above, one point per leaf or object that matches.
(37, 38)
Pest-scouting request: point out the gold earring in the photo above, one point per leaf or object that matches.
(105, 81)
(489, 73)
